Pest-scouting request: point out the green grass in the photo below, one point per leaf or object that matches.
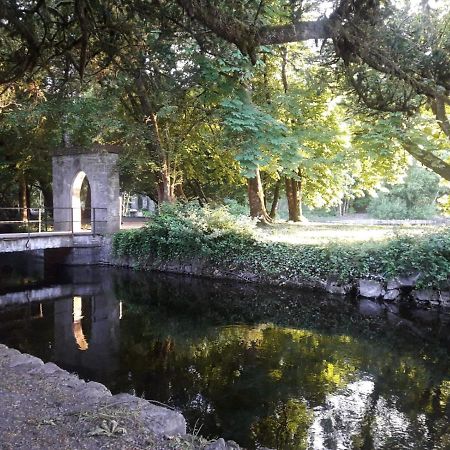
(319, 233)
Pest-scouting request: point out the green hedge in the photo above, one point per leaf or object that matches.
(227, 242)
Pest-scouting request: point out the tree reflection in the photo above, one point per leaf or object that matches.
(260, 384)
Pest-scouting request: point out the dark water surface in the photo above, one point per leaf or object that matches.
(280, 368)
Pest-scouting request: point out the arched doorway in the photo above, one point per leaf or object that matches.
(84, 182)
(81, 202)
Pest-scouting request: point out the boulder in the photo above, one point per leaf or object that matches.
(408, 280)
(220, 444)
(370, 288)
(158, 419)
(444, 297)
(393, 284)
(391, 295)
(217, 445)
(426, 296)
(333, 286)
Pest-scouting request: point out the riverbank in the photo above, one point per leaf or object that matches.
(45, 407)
(213, 243)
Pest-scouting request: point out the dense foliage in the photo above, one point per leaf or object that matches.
(219, 240)
(215, 100)
(415, 198)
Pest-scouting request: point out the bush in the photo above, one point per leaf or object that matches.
(185, 230)
(414, 199)
(228, 243)
(387, 208)
(235, 208)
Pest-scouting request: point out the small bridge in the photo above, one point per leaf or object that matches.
(21, 242)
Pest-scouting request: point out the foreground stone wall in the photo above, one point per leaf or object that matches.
(45, 407)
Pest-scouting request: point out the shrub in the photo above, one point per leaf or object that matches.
(414, 199)
(185, 230)
(227, 242)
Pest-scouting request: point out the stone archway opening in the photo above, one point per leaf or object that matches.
(81, 202)
(86, 191)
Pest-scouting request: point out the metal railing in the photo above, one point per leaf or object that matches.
(39, 220)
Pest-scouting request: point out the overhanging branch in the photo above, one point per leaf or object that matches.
(428, 159)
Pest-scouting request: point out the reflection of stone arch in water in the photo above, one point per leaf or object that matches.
(77, 328)
(98, 166)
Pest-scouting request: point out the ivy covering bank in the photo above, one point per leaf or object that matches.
(218, 239)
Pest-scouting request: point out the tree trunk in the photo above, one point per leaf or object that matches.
(23, 198)
(276, 198)
(198, 191)
(284, 55)
(292, 199)
(300, 196)
(165, 186)
(256, 198)
(179, 192)
(47, 193)
(438, 108)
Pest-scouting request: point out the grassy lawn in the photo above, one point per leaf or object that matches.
(314, 233)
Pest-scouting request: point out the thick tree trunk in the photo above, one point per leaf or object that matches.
(198, 191)
(276, 199)
(294, 198)
(179, 192)
(47, 194)
(438, 108)
(165, 186)
(256, 198)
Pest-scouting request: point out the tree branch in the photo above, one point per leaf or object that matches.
(428, 159)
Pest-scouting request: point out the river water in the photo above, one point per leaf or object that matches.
(284, 369)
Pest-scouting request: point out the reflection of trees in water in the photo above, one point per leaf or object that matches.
(261, 383)
(287, 427)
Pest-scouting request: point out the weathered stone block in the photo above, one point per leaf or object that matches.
(393, 284)
(445, 299)
(23, 359)
(333, 286)
(426, 295)
(217, 445)
(408, 280)
(370, 288)
(391, 295)
(159, 420)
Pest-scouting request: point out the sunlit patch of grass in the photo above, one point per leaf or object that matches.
(321, 234)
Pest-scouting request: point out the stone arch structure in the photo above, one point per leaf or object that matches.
(99, 165)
